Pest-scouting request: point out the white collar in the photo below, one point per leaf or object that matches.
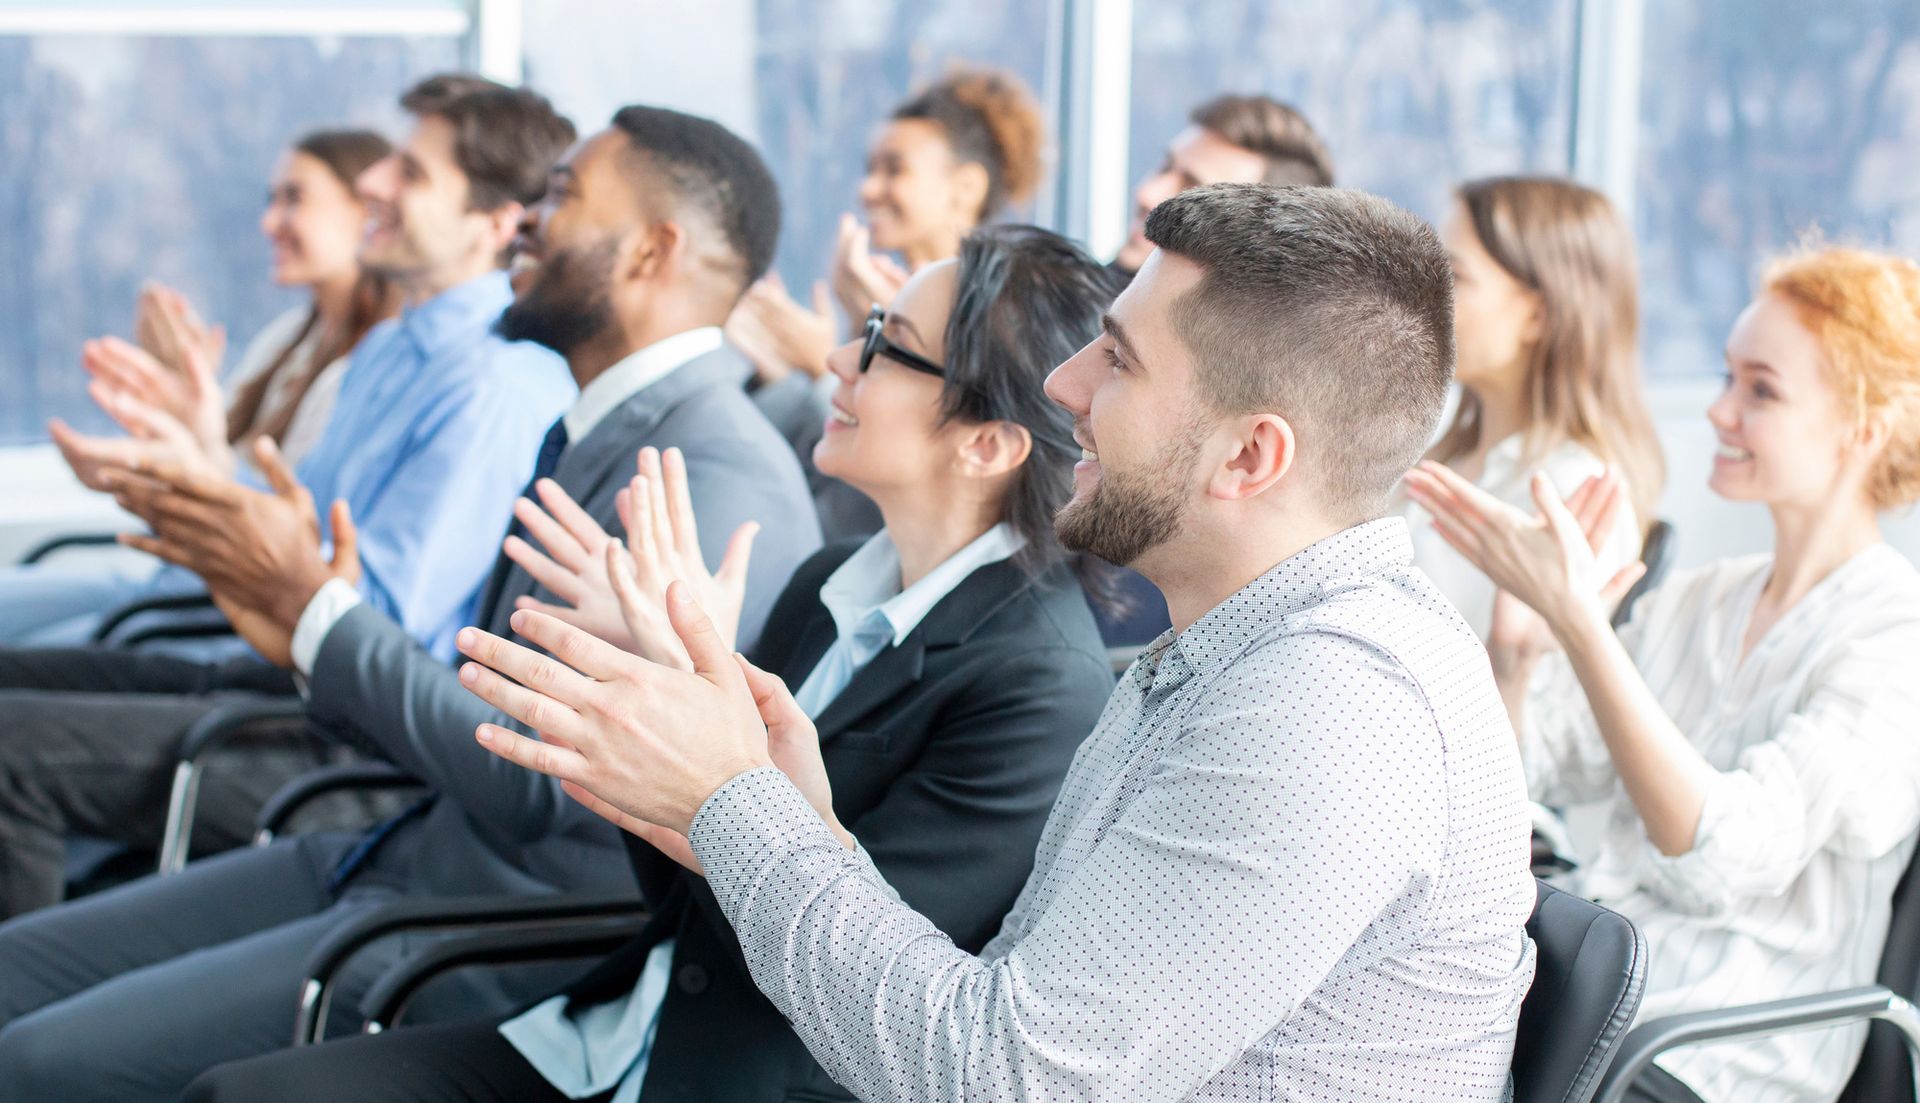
(639, 370)
(869, 581)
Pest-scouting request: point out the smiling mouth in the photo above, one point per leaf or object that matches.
(1729, 452)
(840, 417)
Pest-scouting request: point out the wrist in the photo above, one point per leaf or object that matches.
(1580, 626)
(291, 600)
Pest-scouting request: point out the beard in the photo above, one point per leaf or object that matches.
(568, 304)
(1130, 513)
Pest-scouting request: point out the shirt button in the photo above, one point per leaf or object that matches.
(692, 979)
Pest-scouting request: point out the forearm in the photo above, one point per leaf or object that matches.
(1664, 776)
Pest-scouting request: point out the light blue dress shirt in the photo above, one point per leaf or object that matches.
(598, 1047)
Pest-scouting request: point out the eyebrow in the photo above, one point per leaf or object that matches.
(904, 323)
(1119, 334)
(1753, 365)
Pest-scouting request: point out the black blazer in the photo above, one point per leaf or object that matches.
(945, 752)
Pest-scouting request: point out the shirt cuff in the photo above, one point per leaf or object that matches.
(749, 821)
(335, 599)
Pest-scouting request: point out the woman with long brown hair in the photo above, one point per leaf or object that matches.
(285, 382)
(1546, 323)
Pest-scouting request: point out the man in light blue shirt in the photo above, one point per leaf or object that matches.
(436, 428)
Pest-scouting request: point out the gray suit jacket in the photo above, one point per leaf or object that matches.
(496, 827)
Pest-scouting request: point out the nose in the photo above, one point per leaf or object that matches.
(270, 220)
(872, 189)
(844, 363)
(376, 182)
(1070, 385)
(1722, 414)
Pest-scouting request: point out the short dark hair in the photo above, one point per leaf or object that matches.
(703, 165)
(506, 140)
(1026, 299)
(1330, 307)
(1294, 151)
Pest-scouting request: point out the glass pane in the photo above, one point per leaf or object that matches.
(1764, 119)
(129, 158)
(1412, 96)
(806, 80)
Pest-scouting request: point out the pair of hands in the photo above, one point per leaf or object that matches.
(615, 591)
(258, 552)
(781, 336)
(1544, 564)
(164, 392)
(640, 744)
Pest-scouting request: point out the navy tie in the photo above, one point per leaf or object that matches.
(543, 467)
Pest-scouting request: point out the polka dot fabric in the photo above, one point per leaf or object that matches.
(1290, 863)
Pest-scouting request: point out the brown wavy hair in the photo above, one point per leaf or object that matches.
(1570, 247)
(990, 119)
(346, 153)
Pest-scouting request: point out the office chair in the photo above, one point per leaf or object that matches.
(1590, 969)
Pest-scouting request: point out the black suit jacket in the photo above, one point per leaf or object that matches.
(945, 753)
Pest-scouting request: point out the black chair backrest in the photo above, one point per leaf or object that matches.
(1589, 971)
(1657, 554)
(1884, 1073)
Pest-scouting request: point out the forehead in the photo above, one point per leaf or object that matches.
(600, 166)
(1211, 159)
(1770, 331)
(430, 142)
(1145, 311)
(909, 137)
(925, 302)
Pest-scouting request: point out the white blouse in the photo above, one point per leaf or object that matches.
(316, 406)
(1507, 479)
(1806, 828)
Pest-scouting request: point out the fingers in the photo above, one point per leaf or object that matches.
(578, 522)
(558, 542)
(1468, 500)
(542, 676)
(770, 694)
(822, 299)
(346, 539)
(159, 549)
(559, 581)
(576, 647)
(274, 466)
(544, 758)
(1563, 524)
(733, 566)
(1623, 580)
(679, 504)
(710, 655)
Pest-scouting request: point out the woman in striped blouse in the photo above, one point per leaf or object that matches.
(1754, 725)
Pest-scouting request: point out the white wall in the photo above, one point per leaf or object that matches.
(39, 498)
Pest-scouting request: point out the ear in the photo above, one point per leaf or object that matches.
(1262, 455)
(1534, 326)
(1871, 436)
(652, 249)
(993, 448)
(970, 186)
(503, 224)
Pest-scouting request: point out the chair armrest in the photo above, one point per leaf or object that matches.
(173, 603)
(450, 914)
(315, 784)
(1654, 1037)
(47, 547)
(216, 729)
(501, 946)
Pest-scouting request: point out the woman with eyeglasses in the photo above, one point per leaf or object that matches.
(950, 664)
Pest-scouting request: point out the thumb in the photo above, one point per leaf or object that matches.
(346, 538)
(1622, 581)
(1562, 522)
(710, 655)
(733, 566)
(774, 699)
(274, 466)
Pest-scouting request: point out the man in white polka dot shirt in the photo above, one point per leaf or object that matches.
(1290, 863)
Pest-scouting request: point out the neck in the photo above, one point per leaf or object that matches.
(935, 247)
(1198, 571)
(1503, 412)
(333, 300)
(1811, 543)
(420, 286)
(928, 530)
(629, 335)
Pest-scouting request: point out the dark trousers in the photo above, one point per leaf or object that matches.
(88, 743)
(451, 1063)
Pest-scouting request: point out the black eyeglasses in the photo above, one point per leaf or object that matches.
(878, 345)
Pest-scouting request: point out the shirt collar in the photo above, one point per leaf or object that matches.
(636, 372)
(868, 583)
(1298, 582)
(454, 315)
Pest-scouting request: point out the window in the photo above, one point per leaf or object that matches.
(1770, 119)
(1412, 96)
(127, 157)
